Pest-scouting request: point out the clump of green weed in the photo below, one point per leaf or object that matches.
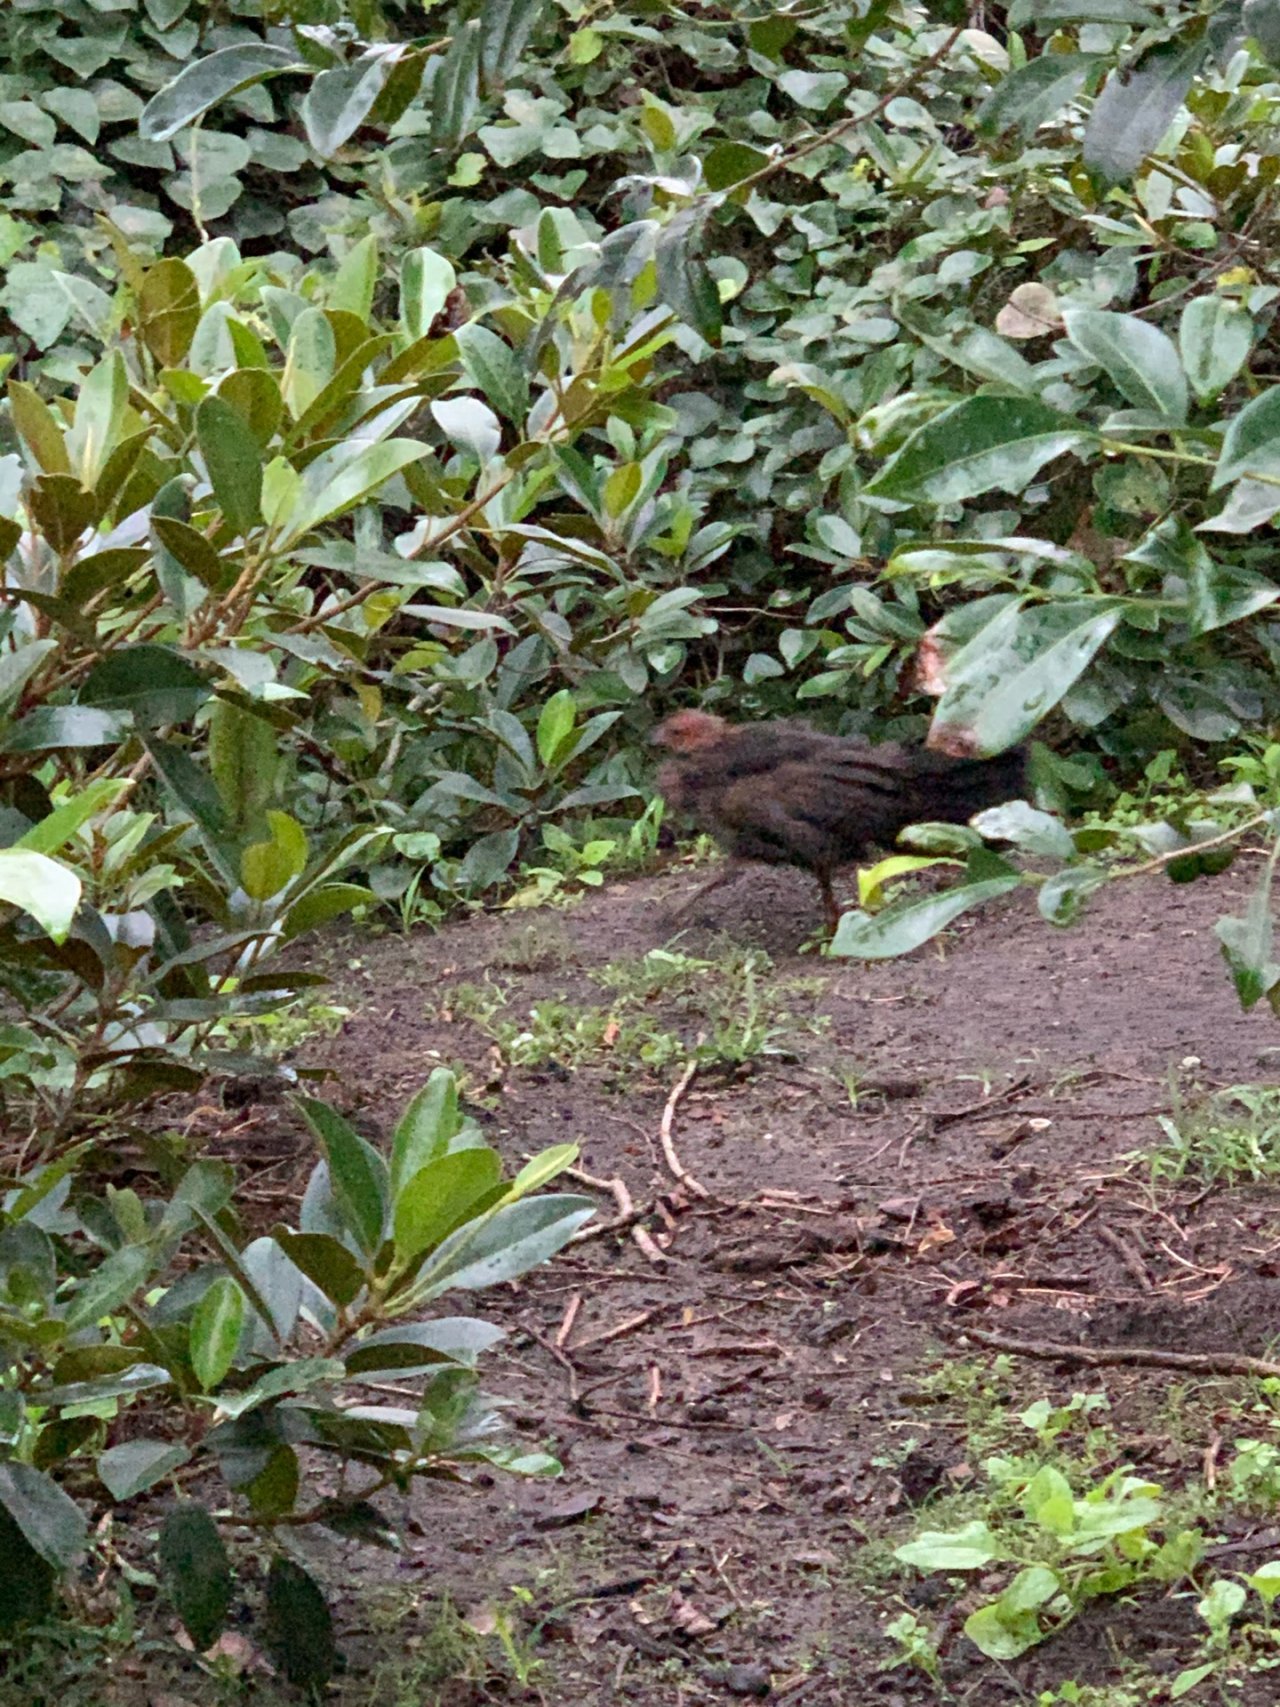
(667, 1008)
(1230, 1137)
(739, 1011)
(536, 945)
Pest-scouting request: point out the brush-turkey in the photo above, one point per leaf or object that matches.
(782, 794)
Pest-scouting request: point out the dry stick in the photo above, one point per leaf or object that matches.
(1128, 1256)
(627, 1217)
(947, 1116)
(1138, 1356)
(655, 1390)
(570, 1317)
(562, 1358)
(677, 1167)
(630, 1326)
(1193, 848)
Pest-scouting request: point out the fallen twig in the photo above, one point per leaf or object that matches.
(676, 1166)
(789, 1202)
(1137, 1356)
(627, 1219)
(561, 1357)
(570, 1317)
(655, 1390)
(948, 1116)
(630, 1326)
(1128, 1256)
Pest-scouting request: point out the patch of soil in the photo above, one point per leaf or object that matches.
(744, 1413)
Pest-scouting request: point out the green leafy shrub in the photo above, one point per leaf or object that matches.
(1069, 1550)
(150, 1348)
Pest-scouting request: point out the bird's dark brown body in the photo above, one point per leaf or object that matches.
(783, 794)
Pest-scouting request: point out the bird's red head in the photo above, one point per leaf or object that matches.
(690, 732)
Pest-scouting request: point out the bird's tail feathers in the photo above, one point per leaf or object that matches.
(953, 790)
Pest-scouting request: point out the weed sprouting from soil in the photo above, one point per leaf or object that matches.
(664, 1008)
(1231, 1137)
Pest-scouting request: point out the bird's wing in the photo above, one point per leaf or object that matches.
(821, 812)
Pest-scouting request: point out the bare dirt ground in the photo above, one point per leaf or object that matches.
(752, 1413)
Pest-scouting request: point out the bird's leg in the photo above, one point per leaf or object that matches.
(731, 869)
(829, 902)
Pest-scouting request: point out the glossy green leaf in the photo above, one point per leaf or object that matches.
(426, 279)
(71, 726)
(413, 1348)
(684, 282)
(503, 1246)
(357, 1173)
(324, 1260)
(205, 82)
(1218, 595)
(440, 1196)
(1027, 828)
(62, 509)
(169, 310)
(99, 419)
(1215, 335)
(136, 1465)
(52, 1524)
(232, 458)
(496, 369)
(339, 101)
(110, 1285)
(274, 1490)
(340, 479)
(194, 554)
(135, 1378)
(1032, 94)
(254, 393)
(196, 1572)
(1251, 444)
(353, 286)
(1139, 359)
(470, 425)
(154, 684)
(904, 926)
(966, 1549)
(243, 760)
(269, 866)
(622, 488)
(1137, 106)
(455, 93)
(38, 427)
(310, 361)
(1014, 671)
(728, 163)
(321, 905)
(427, 1128)
(556, 724)
(541, 1169)
(40, 886)
(1003, 1633)
(981, 445)
(216, 1326)
(505, 28)
(299, 1625)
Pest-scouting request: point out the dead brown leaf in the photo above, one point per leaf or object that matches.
(1031, 312)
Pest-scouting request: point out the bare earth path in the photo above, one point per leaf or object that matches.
(747, 1411)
